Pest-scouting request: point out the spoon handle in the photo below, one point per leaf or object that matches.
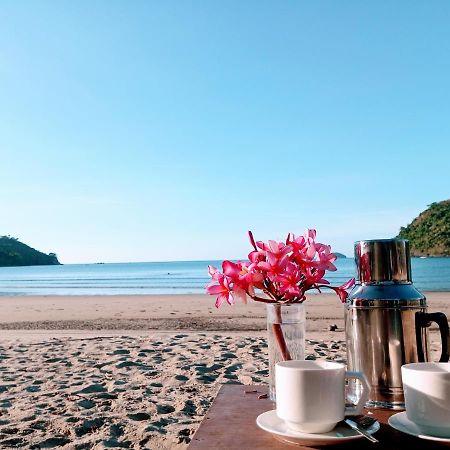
(354, 426)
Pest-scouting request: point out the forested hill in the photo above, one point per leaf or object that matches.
(429, 232)
(15, 253)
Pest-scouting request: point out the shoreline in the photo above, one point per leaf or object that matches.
(146, 313)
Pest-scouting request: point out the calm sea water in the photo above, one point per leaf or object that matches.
(183, 277)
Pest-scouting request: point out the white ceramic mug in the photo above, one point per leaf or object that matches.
(427, 396)
(311, 394)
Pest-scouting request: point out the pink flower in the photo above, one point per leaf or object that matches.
(326, 258)
(222, 290)
(250, 276)
(273, 268)
(257, 256)
(288, 281)
(341, 291)
(348, 284)
(238, 280)
(213, 272)
(282, 271)
(231, 270)
(274, 250)
(240, 293)
(298, 244)
(243, 274)
(310, 234)
(304, 248)
(310, 238)
(314, 276)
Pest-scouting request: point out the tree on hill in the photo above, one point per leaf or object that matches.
(15, 253)
(429, 233)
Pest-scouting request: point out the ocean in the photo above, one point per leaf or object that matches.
(178, 277)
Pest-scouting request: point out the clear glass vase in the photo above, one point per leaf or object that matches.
(286, 336)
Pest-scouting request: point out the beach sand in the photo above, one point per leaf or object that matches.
(136, 371)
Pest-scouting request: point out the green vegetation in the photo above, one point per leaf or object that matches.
(429, 233)
(15, 253)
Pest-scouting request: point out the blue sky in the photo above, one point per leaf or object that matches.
(153, 130)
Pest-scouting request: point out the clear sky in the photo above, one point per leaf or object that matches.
(155, 130)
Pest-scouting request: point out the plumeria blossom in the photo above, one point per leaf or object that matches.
(314, 276)
(243, 276)
(297, 244)
(341, 291)
(289, 281)
(223, 291)
(277, 272)
(273, 267)
(274, 250)
(326, 258)
(213, 272)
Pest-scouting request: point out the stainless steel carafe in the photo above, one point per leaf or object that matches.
(386, 320)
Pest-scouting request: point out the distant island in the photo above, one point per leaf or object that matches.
(339, 255)
(429, 233)
(15, 253)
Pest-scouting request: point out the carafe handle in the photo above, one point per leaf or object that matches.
(424, 320)
(355, 410)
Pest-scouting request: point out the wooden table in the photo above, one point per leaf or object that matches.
(231, 424)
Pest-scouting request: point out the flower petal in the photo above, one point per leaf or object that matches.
(220, 299)
(215, 289)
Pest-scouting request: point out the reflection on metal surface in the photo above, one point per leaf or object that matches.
(384, 260)
(380, 319)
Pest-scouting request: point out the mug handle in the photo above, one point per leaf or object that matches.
(424, 320)
(355, 410)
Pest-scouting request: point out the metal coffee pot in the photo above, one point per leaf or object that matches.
(386, 320)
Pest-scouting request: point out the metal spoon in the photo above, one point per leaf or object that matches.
(360, 425)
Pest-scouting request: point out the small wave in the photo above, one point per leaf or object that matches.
(168, 277)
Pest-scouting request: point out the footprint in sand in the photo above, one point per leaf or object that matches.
(89, 426)
(164, 409)
(139, 416)
(121, 351)
(181, 378)
(14, 442)
(189, 408)
(53, 442)
(228, 355)
(206, 379)
(33, 388)
(86, 404)
(93, 389)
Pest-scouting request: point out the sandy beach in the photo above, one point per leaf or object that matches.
(136, 371)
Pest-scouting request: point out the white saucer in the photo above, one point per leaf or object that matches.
(401, 423)
(269, 421)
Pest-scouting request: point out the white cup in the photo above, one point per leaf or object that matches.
(311, 394)
(427, 396)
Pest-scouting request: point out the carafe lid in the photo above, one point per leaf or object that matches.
(383, 261)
